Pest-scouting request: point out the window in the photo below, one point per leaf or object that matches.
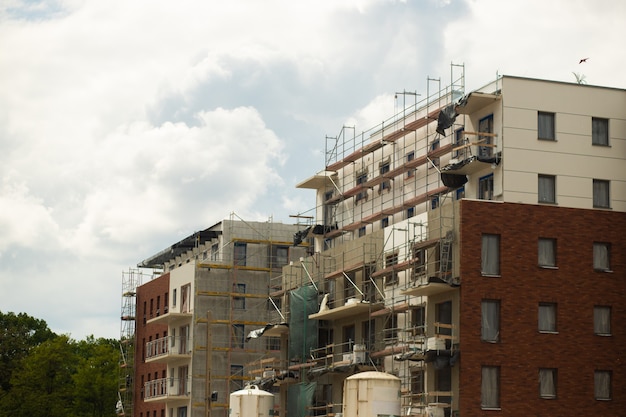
(458, 142)
(602, 320)
(280, 256)
(490, 321)
(361, 178)
(390, 260)
(384, 167)
(348, 338)
(434, 145)
(485, 187)
(601, 194)
(238, 336)
(460, 193)
(490, 387)
(546, 189)
(490, 255)
(601, 256)
(547, 383)
(239, 255)
(239, 303)
(545, 126)
(391, 328)
(409, 157)
(599, 131)
(361, 231)
(419, 261)
(173, 298)
(547, 252)
(547, 317)
(602, 385)
(272, 343)
(349, 280)
(410, 212)
(236, 377)
(384, 222)
(485, 125)
(185, 294)
(434, 202)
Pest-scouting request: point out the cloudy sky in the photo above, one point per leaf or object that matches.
(126, 125)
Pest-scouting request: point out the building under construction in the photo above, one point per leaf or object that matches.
(471, 245)
(212, 293)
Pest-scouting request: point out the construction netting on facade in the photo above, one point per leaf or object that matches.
(302, 330)
(300, 399)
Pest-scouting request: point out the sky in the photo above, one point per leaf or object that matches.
(127, 125)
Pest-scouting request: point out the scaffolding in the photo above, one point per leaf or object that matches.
(387, 247)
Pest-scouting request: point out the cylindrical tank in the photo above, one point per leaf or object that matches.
(251, 401)
(371, 394)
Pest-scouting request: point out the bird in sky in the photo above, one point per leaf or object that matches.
(583, 60)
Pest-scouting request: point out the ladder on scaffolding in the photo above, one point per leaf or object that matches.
(445, 266)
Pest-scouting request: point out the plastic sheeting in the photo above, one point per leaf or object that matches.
(302, 331)
(299, 397)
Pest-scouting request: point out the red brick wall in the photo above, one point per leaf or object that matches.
(143, 331)
(575, 351)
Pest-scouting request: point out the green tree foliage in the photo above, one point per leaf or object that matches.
(42, 384)
(19, 333)
(95, 381)
(54, 375)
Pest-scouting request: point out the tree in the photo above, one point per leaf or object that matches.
(95, 381)
(18, 335)
(42, 385)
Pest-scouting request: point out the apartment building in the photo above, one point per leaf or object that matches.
(472, 245)
(211, 292)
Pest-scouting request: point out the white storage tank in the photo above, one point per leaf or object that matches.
(251, 401)
(371, 394)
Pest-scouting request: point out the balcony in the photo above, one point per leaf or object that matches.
(167, 349)
(170, 317)
(167, 389)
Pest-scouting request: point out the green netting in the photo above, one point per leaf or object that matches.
(299, 397)
(302, 331)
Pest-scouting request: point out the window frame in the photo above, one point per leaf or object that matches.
(486, 186)
(599, 131)
(547, 318)
(602, 320)
(548, 383)
(601, 194)
(490, 321)
(546, 189)
(490, 388)
(546, 253)
(546, 126)
(239, 303)
(409, 157)
(597, 388)
(489, 268)
(602, 260)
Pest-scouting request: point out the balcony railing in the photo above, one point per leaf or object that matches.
(168, 346)
(165, 388)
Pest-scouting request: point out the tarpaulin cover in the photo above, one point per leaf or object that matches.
(299, 397)
(302, 331)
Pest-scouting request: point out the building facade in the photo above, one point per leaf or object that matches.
(213, 290)
(473, 246)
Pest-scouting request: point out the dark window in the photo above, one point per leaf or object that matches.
(239, 254)
(361, 231)
(545, 126)
(599, 131)
(485, 125)
(601, 196)
(602, 320)
(239, 303)
(602, 385)
(546, 188)
(485, 187)
(410, 212)
(409, 157)
(361, 179)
